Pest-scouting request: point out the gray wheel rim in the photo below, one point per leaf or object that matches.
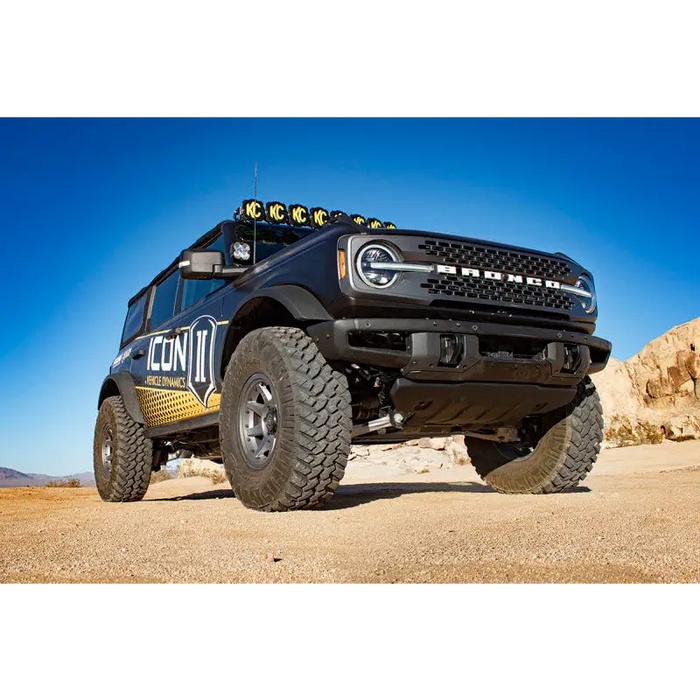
(258, 415)
(107, 453)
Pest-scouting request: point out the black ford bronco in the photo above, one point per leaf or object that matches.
(286, 334)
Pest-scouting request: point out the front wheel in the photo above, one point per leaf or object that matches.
(285, 422)
(558, 451)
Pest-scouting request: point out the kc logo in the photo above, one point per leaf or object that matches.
(299, 214)
(253, 209)
(319, 217)
(276, 213)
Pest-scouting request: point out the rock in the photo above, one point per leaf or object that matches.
(654, 389)
(692, 364)
(433, 443)
(656, 392)
(201, 467)
(457, 451)
(617, 390)
(359, 451)
(625, 431)
(415, 456)
(682, 428)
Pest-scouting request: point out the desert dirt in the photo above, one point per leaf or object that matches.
(635, 519)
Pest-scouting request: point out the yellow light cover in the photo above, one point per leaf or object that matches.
(342, 267)
(253, 210)
(319, 217)
(276, 213)
(299, 214)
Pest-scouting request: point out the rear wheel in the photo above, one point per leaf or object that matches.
(285, 422)
(122, 454)
(558, 451)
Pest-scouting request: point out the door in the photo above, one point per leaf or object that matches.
(179, 376)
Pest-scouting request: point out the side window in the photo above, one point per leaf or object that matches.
(163, 306)
(269, 240)
(134, 319)
(194, 290)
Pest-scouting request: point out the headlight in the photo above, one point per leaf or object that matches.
(585, 291)
(370, 262)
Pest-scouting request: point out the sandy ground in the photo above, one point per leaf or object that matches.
(635, 519)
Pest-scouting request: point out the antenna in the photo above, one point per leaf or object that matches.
(255, 221)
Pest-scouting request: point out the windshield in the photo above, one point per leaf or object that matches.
(270, 238)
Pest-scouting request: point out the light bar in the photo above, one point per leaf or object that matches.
(299, 215)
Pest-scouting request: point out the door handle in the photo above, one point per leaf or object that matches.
(174, 333)
(139, 353)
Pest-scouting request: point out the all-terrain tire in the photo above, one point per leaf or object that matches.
(563, 456)
(313, 422)
(131, 454)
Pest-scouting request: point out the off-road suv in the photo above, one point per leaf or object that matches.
(286, 334)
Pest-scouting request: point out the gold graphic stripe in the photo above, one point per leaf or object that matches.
(148, 335)
(167, 330)
(161, 406)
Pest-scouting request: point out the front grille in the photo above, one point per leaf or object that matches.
(497, 290)
(497, 260)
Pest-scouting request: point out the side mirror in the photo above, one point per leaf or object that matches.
(206, 265)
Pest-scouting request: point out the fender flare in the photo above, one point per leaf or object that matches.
(122, 384)
(301, 303)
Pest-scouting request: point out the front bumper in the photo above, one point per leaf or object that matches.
(490, 352)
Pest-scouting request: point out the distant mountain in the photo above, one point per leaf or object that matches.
(11, 478)
(6, 473)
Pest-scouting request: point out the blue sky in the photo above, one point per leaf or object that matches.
(91, 209)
